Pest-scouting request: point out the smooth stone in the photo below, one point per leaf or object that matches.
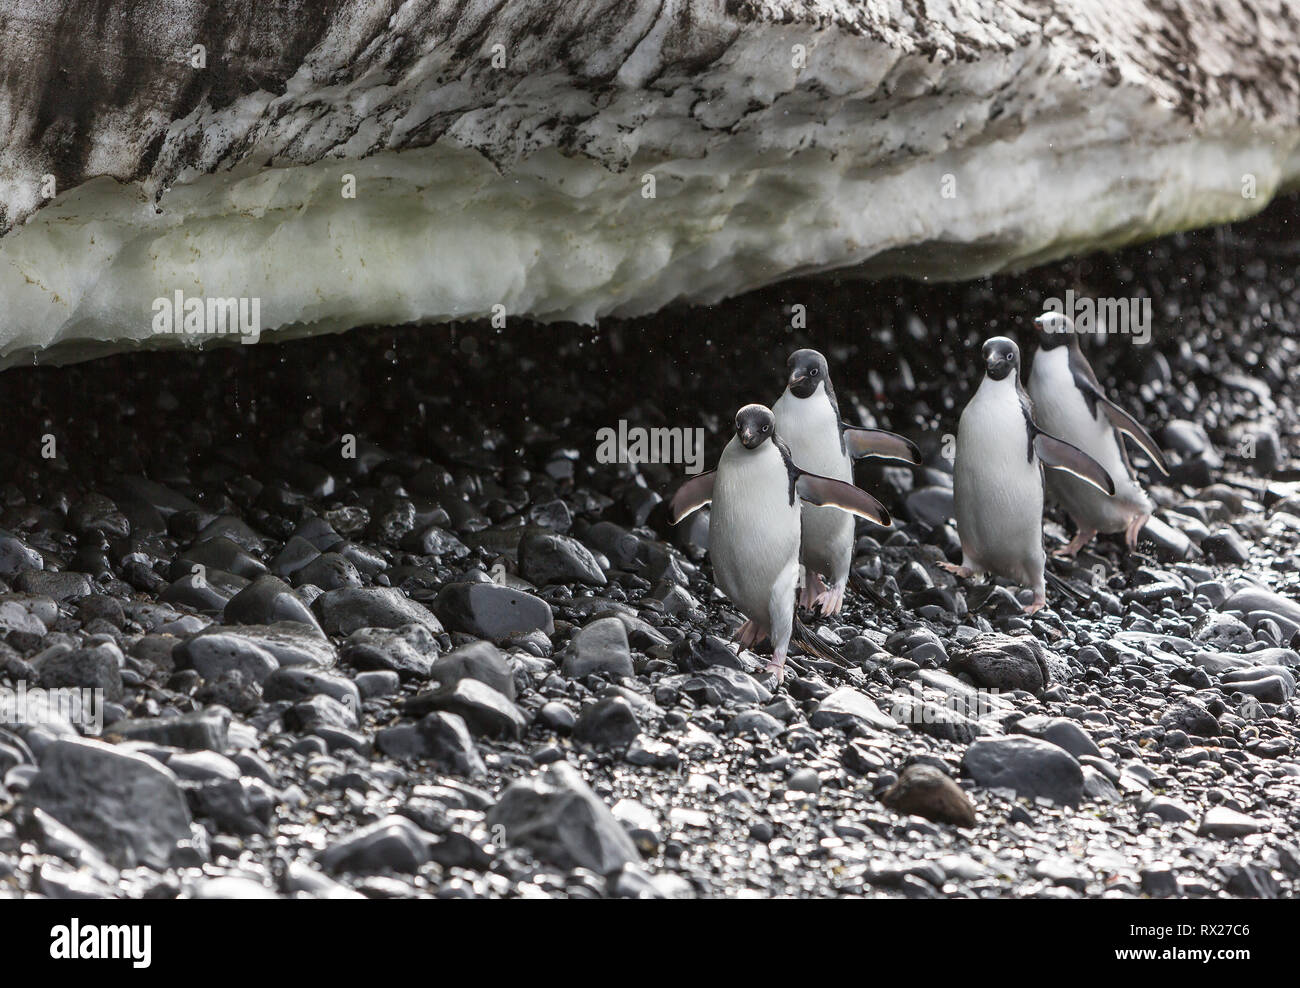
(349, 609)
(409, 650)
(548, 557)
(201, 730)
(558, 817)
(129, 807)
(923, 790)
(268, 600)
(482, 661)
(600, 647)
(1029, 766)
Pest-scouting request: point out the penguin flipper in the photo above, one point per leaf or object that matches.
(819, 490)
(691, 496)
(1060, 455)
(884, 445)
(1130, 426)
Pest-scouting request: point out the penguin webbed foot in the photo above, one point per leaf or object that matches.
(1081, 538)
(830, 600)
(813, 590)
(749, 634)
(775, 667)
(1134, 531)
(964, 572)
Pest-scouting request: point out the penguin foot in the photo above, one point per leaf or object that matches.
(1134, 530)
(749, 634)
(776, 666)
(1037, 604)
(830, 600)
(813, 590)
(964, 572)
(1081, 538)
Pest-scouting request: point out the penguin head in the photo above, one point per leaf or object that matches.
(807, 370)
(1001, 358)
(1057, 329)
(755, 425)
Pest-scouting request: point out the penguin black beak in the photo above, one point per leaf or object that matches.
(801, 385)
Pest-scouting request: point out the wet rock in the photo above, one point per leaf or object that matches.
(609, 722)
(393, 844)
(482, 661)
(218, 554)
(344, 611)
(1061, 732)
(237, 806)
(925, 791)
(1219, 821)
(63, 586)
(600, 647)
(268, 600)
(408, 650)
(329, 571)
(849, 709)
(562, 821)
(719, 685)
(128, 806)
(300, 682)
(1190, 716)
(1005, 663)
(485, 711)
(318, 713)
(1030, 767)
(548, 557)
(204, 729)
(213, 654)
(447, 742)
(486, 610)
(98, 667)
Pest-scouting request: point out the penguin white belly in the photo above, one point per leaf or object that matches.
(998, 488)
(754, 530)
(1061, 410)
(811, 429)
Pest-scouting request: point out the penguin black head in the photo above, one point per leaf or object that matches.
(807, 370)
(1001, 357)
(1057, 329)
(755, 425)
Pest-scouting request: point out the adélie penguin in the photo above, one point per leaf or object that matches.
(1069, 402)
(808, 421)
(755, 496)
(998, 476)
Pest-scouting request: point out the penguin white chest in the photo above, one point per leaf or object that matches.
(753, 526)
(811, 428)
(997, 484)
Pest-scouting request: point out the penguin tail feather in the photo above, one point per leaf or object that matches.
(1065, 587)
(865, 589)
(862, 586)
(811, 644)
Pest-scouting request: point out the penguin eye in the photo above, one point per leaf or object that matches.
(766, 429)
(813, 372)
